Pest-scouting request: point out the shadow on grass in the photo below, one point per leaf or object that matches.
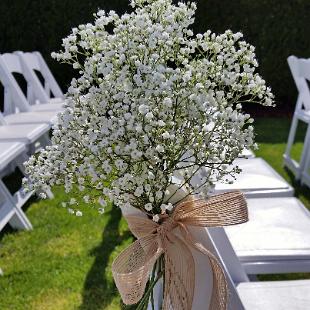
(99, 289)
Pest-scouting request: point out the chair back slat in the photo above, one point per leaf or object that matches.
(300, 69)
(35, 89)
(216, 241)
(12, 62)
(15, 99)
(32, 61)
(304, 68)
(227, 254)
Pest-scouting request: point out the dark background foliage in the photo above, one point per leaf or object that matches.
(277, 28)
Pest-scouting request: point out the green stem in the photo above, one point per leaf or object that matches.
(146, 296)
(152, 279)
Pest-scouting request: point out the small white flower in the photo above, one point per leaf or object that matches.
(169, 206)
(160, 148)
(156, 218)
(139, 191)
(167, 102)
(143, 109)
(161, 123)
(72, 201)
(163, 208)
(166, 135)
(43, 195)
(102, 202)
(159, 195)
(148, 207)
(78, 213)
(149, 115)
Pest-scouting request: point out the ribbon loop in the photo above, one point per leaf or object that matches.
(131, 269)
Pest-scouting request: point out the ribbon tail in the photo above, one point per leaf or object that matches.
(132, 267)
(219, 299)
(179, 281)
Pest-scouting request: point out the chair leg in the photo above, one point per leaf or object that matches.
(304, 154)
(305, 174)
(291, 136)
(297, 168)
(19, 220)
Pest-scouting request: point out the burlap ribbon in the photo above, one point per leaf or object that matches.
(131, 269)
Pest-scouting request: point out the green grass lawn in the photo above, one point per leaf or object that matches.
(65, 262)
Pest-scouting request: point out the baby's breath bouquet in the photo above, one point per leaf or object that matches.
(154, 107)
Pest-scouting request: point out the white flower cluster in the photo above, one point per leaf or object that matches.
(152, 101)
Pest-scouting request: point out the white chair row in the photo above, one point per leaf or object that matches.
(300, 69)
(17, 109)
(24, 124)
(275, 295)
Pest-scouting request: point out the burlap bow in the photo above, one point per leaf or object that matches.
(131, 269)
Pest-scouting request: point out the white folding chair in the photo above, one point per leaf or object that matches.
(12, 153)
(275, 295)
(10, 205)
(257, 179)
(16, 107)
(300, 69)
(276, 239)
(38, 93)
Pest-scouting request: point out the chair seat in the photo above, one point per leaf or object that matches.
(278, 229)
(9, 151)
(279, 295)
(57, 100)
(257, 179)
(51, 106)
(47, 117)
(26, 133)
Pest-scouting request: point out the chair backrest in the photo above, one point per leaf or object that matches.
(300, 69)
(234, 271)
(14, 98)
(34, 61)
(216, 240)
